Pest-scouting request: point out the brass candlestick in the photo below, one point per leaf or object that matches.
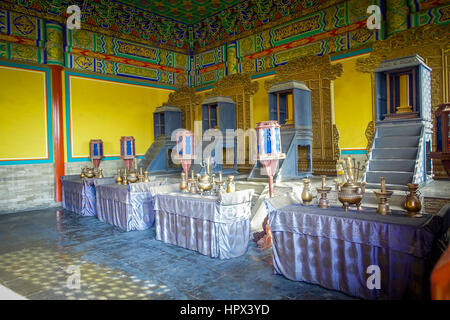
(146, 177)
(141, 175)
(323, 191)
(192, 183)
(383, 195)
(125, 176)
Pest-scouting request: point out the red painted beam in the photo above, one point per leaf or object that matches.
(58, 135)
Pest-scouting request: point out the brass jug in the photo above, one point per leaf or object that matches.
(412, 203)
(118, 177)
(89, 172)
(307, 196)
(183, 183)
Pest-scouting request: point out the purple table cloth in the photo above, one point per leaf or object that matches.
(130, 207)
(79, 196)
(216, 227)
(334, 248)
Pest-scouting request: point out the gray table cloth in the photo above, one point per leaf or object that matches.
(216, 227)
(130, 207)
(334, 248)
(79, 196)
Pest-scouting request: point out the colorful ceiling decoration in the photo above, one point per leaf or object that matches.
(185, 11)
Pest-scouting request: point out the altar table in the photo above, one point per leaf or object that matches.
(216, 227)
(78, 195)
(334, 248)
(130, 207)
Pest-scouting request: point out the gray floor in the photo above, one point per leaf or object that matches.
(41, 251)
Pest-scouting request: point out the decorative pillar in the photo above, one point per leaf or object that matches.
(54, 46)
(232, 62)
(397, 12)
(54, 54)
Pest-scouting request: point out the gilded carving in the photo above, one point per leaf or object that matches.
(187, 100)
(370, 132)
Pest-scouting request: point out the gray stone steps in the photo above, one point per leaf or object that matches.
(392, 165)
(396, 141)
(399, 130)
(392, 177)
(394, 153)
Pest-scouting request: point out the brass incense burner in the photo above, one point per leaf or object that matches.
(351, 193)
(383, 195)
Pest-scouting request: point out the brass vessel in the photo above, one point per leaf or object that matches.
(133, 174)
(231, 187)
(125, 176)
(351, 193)
(307, 196)
(146, 177)
(100, 174)
(118, 177)
(192, 183)
(82, 175)
(141, 175)
(323, 191)
(183, 183)
(89, 172)
(412, 203)
(219, 184)
(205, 182)
(383, 195)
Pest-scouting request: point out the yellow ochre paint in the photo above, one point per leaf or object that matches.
(107, 110)
(352, 105)
(23, 114)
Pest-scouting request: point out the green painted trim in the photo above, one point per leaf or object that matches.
(113, 79)
(264, 74)
(351, 54)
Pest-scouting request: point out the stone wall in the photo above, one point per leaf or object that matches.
(109, 167)
(26, 187)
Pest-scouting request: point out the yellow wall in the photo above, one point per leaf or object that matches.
(107, 110)
(261, 102)
(23, 114)
(352, 105)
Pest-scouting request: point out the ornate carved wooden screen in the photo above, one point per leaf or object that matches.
(318, 74)
(187, 100)
(431, 43)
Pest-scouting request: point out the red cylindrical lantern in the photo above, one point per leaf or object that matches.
(185, 149)
(127, 150)
(96, 151)
(269, 148)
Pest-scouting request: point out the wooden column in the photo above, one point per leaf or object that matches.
(58, 134)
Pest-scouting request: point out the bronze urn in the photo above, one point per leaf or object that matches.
(351, 193)
(412, 203)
